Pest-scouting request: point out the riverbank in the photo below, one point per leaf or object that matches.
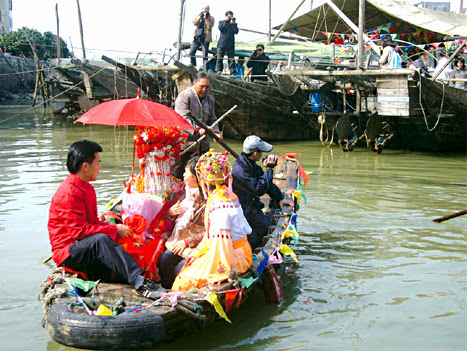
(17, 77)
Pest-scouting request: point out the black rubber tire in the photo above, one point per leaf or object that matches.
(128, 331)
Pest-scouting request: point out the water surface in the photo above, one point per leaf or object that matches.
(375, 272)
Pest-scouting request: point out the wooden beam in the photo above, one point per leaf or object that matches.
(287, 22)
(361, 28)
(58, 36)
(454, 54)
(352, 26)
(81, 31)
(348, 73)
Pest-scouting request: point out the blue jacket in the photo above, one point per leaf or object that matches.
(250, 182)
(227, 38)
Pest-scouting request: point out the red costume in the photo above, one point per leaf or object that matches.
(73, 217)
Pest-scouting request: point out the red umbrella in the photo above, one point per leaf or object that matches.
(134, 112)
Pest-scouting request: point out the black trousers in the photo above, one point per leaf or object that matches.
(259, 224)
(169, 266)
(220, 60)
(195, 45)
(102, 258)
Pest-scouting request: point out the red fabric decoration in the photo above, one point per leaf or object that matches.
(230, 296)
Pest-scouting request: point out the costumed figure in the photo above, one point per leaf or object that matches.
(224, 247)
(188, 230)
(150, 194)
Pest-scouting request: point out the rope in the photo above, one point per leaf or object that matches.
(322, 121)
(53, 98)
(420, 102)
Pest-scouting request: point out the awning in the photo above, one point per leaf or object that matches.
(402, 20)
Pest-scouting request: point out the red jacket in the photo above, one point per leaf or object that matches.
(73, 216)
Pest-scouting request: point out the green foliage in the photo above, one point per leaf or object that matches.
(16, 43)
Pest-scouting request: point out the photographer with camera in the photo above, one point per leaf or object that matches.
(226, 43)
(203, 35)
(250, 182)
(258, 63)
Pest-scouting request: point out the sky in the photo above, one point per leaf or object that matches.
(126, 27)
(119, 28)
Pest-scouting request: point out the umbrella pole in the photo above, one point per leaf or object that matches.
(133, 163)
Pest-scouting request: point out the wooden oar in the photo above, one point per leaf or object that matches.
(212, 135)
(204, 136)
(452, 215)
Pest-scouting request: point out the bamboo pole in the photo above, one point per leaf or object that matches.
(287, 22)
(81, 31)
(180, 25)
(58, 36)
(269, 30)
(452, 215)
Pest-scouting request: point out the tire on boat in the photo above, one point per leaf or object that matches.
(128, 331)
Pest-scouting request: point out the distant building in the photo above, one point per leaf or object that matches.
(6, 17)
(435, 5)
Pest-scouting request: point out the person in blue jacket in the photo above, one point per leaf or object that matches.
(250, 182)
(226, 43)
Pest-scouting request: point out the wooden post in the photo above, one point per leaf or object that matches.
(352, 25)
(180, 25)
(269, 31)
(287, 22)
(81, 31)
(361, 28)
(58, 36)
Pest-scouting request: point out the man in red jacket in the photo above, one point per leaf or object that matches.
(80, 241)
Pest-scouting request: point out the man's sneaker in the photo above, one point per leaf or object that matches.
(150, 290)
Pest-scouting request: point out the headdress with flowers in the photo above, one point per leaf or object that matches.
(214, 169)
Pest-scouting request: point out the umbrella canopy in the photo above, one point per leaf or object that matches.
(134, 112)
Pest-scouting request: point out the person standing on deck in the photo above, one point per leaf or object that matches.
(258, 63)
(79, 240)
(446, 72)
(197, 101)
(202, 36)
(390, 57)
(226, 44)
(250, 182)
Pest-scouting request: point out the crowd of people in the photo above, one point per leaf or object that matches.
(427, 62)
(202, 231)
(258, 61)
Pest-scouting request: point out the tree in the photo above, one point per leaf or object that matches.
(17, 44)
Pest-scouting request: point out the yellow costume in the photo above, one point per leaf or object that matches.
(224, 246)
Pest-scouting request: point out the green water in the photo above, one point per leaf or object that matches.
(375, 272)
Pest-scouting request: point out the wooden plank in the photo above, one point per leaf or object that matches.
(393, 92)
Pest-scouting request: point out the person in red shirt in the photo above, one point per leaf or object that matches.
(80, 241)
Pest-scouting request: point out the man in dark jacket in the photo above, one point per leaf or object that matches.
(250, 182)
(259, 63)
(226, 43)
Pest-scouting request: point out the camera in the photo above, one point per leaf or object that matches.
(269, 165)
(232, 19)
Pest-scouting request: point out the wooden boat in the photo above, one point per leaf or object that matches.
(142, 323)
(378, 105)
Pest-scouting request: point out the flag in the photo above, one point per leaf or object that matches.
(213, 300)
(230, 296)
(288, 252)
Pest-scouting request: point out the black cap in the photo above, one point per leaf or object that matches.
(229, 13)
